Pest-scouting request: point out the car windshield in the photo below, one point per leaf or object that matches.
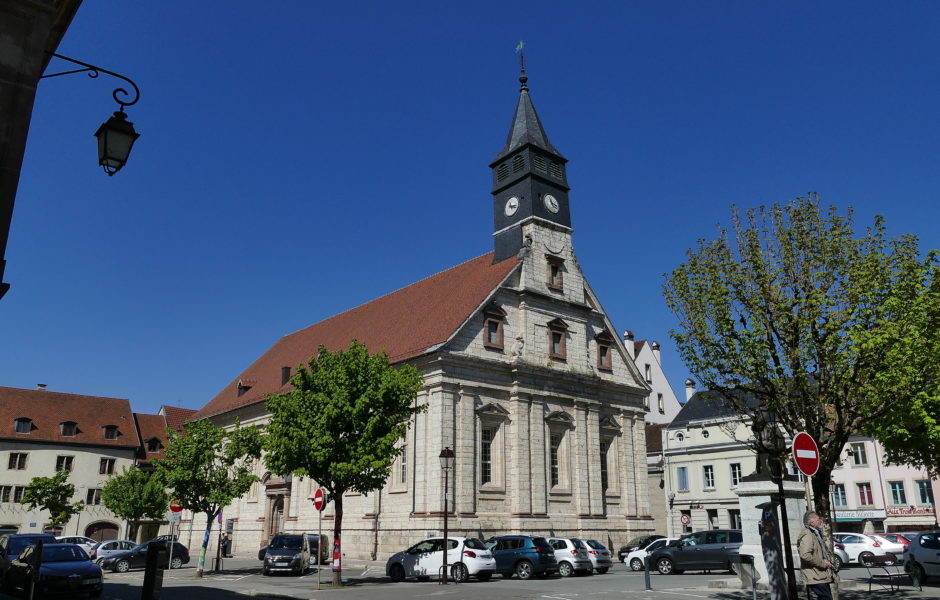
(63, 553)
(596, 545)
(287, 542)
(474, 543)
(17, 544)
(577, 543)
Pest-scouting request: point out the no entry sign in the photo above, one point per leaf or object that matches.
(319, 499)
(805, 453)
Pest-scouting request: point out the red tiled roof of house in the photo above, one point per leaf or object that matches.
(404, 324)
(176, 417)
(654, 437)
(47, 410)
(149, 427)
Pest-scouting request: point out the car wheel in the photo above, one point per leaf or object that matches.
(836, 563)
(664, 566)
(484, 576)
(265, 571)
(459, 573)
(524, 569)
(733, 568)
(122, 566)
(890, 559)
(397, 573)
(636, 564)
(176, 563)
(602, 570)
(565, 569)
(866, 559)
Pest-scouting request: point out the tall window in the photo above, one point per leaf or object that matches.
(604, 447)
(93, 497)
(106, 466)
(898, 497)
(648, 371)
(838, 495)
(403, 465)
(554, 273)
(18, 493)
(557, 330)
(924, 491)
(6, 491)
(68, 429)
(63, 463)
(735, 476)
(865, 497)
(708, 476)
(859, 458)
(493, 318)
(734, 518)
(682, 479)
(487, 435)
(24, 425)
(17, 461)
(660, 404)
(604, 341)
(554, 447)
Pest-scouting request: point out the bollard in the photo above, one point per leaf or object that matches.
(153, 571)
(646, 571)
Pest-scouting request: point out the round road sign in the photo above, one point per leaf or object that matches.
(805, 453)
(176, 505)
(319, 499)
(685, 519)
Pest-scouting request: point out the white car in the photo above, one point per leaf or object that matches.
(922, 557)
(889, 546)
(635, 559)
(861, 548)
(466, 557)
(85, 542)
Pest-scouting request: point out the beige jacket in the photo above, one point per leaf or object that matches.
(812, 558)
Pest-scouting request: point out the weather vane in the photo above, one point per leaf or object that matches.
(520, 50)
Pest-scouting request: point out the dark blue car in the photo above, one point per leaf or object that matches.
(66, 570)
(12, 544)
(522, 555)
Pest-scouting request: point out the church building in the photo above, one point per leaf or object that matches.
(524, 378)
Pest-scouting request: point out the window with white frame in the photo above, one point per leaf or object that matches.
(63, 463)
(555, 458)
(898, 497)
(403, 465)
(487, 436)
(660, 404)
(24, 425)
(865, 496)
(859, 457)
(838, 495)
(106, 466)
(17, 461)
(708, 477)
(924, 491)
(682, 479)
(735, 475)
(648, 371)
(93, 497)
(68, 428)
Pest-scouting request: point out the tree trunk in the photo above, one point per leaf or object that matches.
(200, 569)
(824, 509)
(337, 538)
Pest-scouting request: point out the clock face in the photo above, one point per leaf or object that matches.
(551, 203)
(512, 205)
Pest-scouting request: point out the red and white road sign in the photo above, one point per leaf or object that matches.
(319, 499)
(805, 453)
(685, 519)
(176, 505)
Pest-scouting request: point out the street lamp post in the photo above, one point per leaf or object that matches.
(447, 463)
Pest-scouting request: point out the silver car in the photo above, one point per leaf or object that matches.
(572, 556)
(599, 555)
(85, 542)
(103, 550)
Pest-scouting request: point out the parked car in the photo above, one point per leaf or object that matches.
(902, 538)
(522, 555)
(85, 542)
(895, 549)
(319, 553)
(711, 549)
(287, 552)
(103, 550)
(635, 544)
(840, 557)
(572, 556)
(599, 555)
(922, 556)
(136, 558)
(861, 548)
(65, 569)
(634, 559)
(11, 544)
(467, 557)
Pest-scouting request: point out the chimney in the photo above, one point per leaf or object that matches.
(41, 387)
(689, 389)
(628, 342)
(655, 347)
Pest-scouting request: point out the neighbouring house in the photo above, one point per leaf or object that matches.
(524, 378)
(661, 403)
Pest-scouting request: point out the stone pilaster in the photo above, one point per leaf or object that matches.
(639, 468)
(582, 480)
(466, 450)
(628, 465)
(520, 467)
(539, 457)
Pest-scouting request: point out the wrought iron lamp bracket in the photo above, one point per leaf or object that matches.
(93, 71)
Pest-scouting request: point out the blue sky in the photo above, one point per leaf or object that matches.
(298, 159)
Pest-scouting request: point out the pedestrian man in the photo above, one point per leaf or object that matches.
(815, 560)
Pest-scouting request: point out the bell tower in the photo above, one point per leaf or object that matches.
(529, 180)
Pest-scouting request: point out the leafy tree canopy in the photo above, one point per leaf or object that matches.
(135, 495)
(53, 494)
(816, 323)
(342, 423)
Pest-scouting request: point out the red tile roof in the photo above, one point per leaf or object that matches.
(654, 437)
(48, 410)
(405, 324)
(176, 417)
(151, 426)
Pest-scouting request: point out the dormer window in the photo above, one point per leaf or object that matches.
(554, 273)
(24, 425)
(604, 359)
(493, 317)
(68, 429)
(557, 332)
(153, 445)
(243, 386)
(110, 432)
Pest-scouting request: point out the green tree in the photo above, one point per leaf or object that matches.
(793, 310)
(135, 495)
(53, 494)
(342, 422)
(207, 467)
